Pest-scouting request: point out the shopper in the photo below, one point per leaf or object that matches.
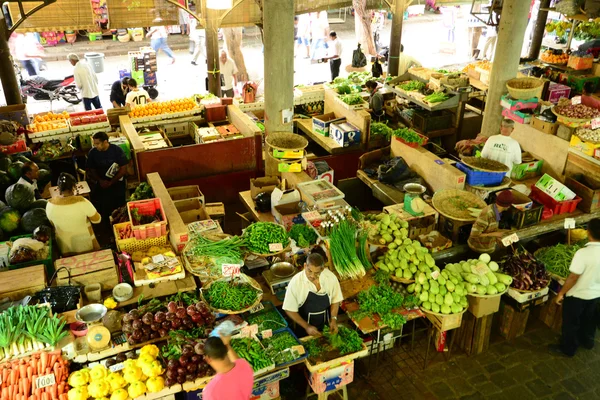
(235, 376)
(29, 176)
(86, 80)
(335, 54)
(228, 74)
(485, 232)
(313, 297)
(106, 168)
(375, 101)
(197, 36)
(405, 62)
(136, 96)
(69, 214)
(491, 36)
(579, 296)
(319, 26)
(303, 40)
(158, 40)
(27, 50)
(503, 148)
(118, 92)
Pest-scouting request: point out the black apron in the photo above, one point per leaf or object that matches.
(315, 310)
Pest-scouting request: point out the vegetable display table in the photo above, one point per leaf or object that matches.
(248, 202)
(326, 142)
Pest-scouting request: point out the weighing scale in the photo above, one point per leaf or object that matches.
(279, 276)
(413, 193)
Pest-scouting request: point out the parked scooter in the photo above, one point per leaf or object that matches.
(41, 88)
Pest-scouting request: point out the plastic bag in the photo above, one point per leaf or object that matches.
(25, 250)
(397, 173)
(358, 58)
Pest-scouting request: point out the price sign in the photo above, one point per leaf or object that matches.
(116, 367)
(45, 381)
(232, 270)
(249, 331)
(576, 100)
(158, 258)
(480, 269)
(267, 333)
(299, 348)
(596, 123)
(569, 223)
(507, 241)
(311, 215)
(257, 308)
(435, 274)
(275, 247)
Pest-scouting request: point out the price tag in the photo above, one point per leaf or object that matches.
(576, 100)
(299, 348)
(435, 275)
(116, 367)
(267, 333)
(158, 259)
(311, 216)
(257, 308)
(569, 223)
(596, 123)
(480, 269)
(45, 381)
(249, 331)
(507, 241)
(275, 247)
(232, 270)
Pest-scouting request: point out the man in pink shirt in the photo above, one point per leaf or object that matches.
(235, 376)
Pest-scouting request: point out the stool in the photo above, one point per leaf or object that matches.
(325, 395)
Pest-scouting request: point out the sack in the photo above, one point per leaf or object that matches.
(60, 298)
(358, 58)
(376, 70)
(396, 172)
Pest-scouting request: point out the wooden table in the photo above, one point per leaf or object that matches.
(326, 142)
(387, 194)
(248, 202)
(159, 290)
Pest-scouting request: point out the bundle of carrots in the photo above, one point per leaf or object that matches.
(19, 377)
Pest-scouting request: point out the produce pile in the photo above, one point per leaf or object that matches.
(481, 276)
(142, 192)
(185, 353)
(408, 135)
(587, 30)
(588, 135)
(230, 295)
(485, 164)
(252, 351)
(381, 129)
(163, 107)
(206, 257)
(436, 97)
(342, 246)
(558, 27)
(484, 65)
(550, 57)
(303, 234)
(577, 111)
(412, 86)
(385, 229)
(49, 122)
(266, 319)
(352, 99)
(279, 347)
(440, 292)
(382, 300)
(333, 345)
(527, 272)
(557, 259)
(260, 234)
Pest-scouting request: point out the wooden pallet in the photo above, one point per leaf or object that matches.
(22, 282)
(474, 333)
(85, 269)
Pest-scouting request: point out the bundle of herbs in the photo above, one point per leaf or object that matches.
(382, 300)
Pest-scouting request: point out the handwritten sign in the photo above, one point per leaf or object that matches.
(480, 269)
(116, 367)
(299, 349)
(576, 100)
(507, 241)
(232, 270)
(435, 274)
(257, 308)
(569, 223)
(45, 381)
(275, 247)
(596, 123)
(267, 333)
(249, 331)
(311, 215)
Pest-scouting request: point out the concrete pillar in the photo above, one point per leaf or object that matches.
(540, 27)
(506, 61)
(278, 17)
(10, 85)
(212, 51)
(396, 38)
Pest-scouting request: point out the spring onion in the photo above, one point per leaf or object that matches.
(343, 251)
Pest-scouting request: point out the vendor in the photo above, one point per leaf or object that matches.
(502, 147)
(69, 215)
(485, 232)
(29, 176)
(313, 297)
(118, 91)
(375, 101)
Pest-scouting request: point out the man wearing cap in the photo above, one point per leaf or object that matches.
(502, 147)
(86, 80)
(485, 232)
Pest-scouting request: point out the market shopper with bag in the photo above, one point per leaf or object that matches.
(485, 232)
(313, 297)
(579, 296)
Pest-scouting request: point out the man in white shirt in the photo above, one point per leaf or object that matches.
(313, 297)
(406, 62)
(335, 54)
(503, 148)
(136, 96)
(229, 74)
(86, 80)
(579, 296)
(197, 36)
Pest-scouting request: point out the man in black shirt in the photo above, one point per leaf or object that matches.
(118, 91)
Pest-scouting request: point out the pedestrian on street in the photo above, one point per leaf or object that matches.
(158, 40)
(335, 54)
(86, 80)
(579, 296)
(303, 35)
(26, 49)
(319, 26)
(228, 74)
(197, 36)
(118, 92)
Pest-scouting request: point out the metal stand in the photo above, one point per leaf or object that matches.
(430, 333)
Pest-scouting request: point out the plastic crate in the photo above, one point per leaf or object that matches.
(16, 147)
(48, 264)
(215, 112)
(481, 178)
(523, 218)
(413, 145)
(268, 306)
(131, 245)
(294, 361)
(148, 207)
(434, 121)
(557, 207)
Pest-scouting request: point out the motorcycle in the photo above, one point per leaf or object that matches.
(41, 88)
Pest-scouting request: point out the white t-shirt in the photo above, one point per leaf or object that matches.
(586, 264)
(335, 49)
(86, 79)
(405, 62)
(158, 32)
(137, 98)
(300, 286)
(227, 70)
(503, 149)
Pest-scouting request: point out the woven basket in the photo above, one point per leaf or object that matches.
(453, 204)
(286, 141)
(245, 278)
(534, 88)
(570, 122)
(476, 164)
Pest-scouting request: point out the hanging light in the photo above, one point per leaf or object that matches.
(219, 4)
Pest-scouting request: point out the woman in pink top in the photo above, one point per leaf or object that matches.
(235, 376)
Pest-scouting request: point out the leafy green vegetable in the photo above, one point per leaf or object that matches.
(380, 299)
(303, 235)
(437, 97)
(260, 234)
(557, 259)
(412, 86)
(344, 89)
(266, 319)
(346, 340)
(408, 135)
(352, 99)
(379, 128)
(279, 347)
(251, 351)
(142, 192)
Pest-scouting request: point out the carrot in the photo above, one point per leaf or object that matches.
(27, 386)
(29, 373)
(13, 377)
(4, 393)
(23, 371)
(63, 397)
(54, 392)
(5, 373)
(45, 396)
(57, 372)
(44, 361)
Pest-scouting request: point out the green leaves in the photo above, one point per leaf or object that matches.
(233, 297)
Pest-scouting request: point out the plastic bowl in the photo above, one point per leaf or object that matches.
(122, 292)
(78, 328)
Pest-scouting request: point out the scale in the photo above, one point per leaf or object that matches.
(412, 198)
(279, 276)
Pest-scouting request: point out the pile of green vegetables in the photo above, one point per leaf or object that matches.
(303, 234)
(231, 296)
(412, 86)
(408, 135)
(260, 234)
(344, 89)
(363, 250)
(251, 351)
(206, 257)
(346, 340)
(557, 259)
(381, 299)
(381, 129)
(352, 99)
(436, 97)
(481, 276)
(142, 192)
(279, 347)
(266, 319)
(343, 251)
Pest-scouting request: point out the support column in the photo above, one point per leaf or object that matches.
(506, 60)
(10, 85)
(396, 38)
(540, 28)
(278, 17)
(212, 52)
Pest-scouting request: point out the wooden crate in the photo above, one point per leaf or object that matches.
(551, 314)
(186, 192)
(512, 322)
(95, 267)
(474, 333)
(22, 282)
(445, 323)
(216, 211)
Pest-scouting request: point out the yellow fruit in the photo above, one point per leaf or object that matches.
(98, 372)
(78, 393)
(119, 394)
(156, 384)
(136, 389)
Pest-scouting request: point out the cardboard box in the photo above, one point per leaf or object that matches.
(263, 185)
(517, 116)
(556, 91)
(327, 176)
(564, 132)
(191, 210)
(547, 127)
(580, 63)
(587, 188)
(596, 69)
(554, 188)
(332, 377)
(285, 213)
(322, 123)
(526, 170)
(580, 82)
(527, 296)
(345, 134)
(587, 148)
(17, 113)
(511, 104)
(482, 306)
